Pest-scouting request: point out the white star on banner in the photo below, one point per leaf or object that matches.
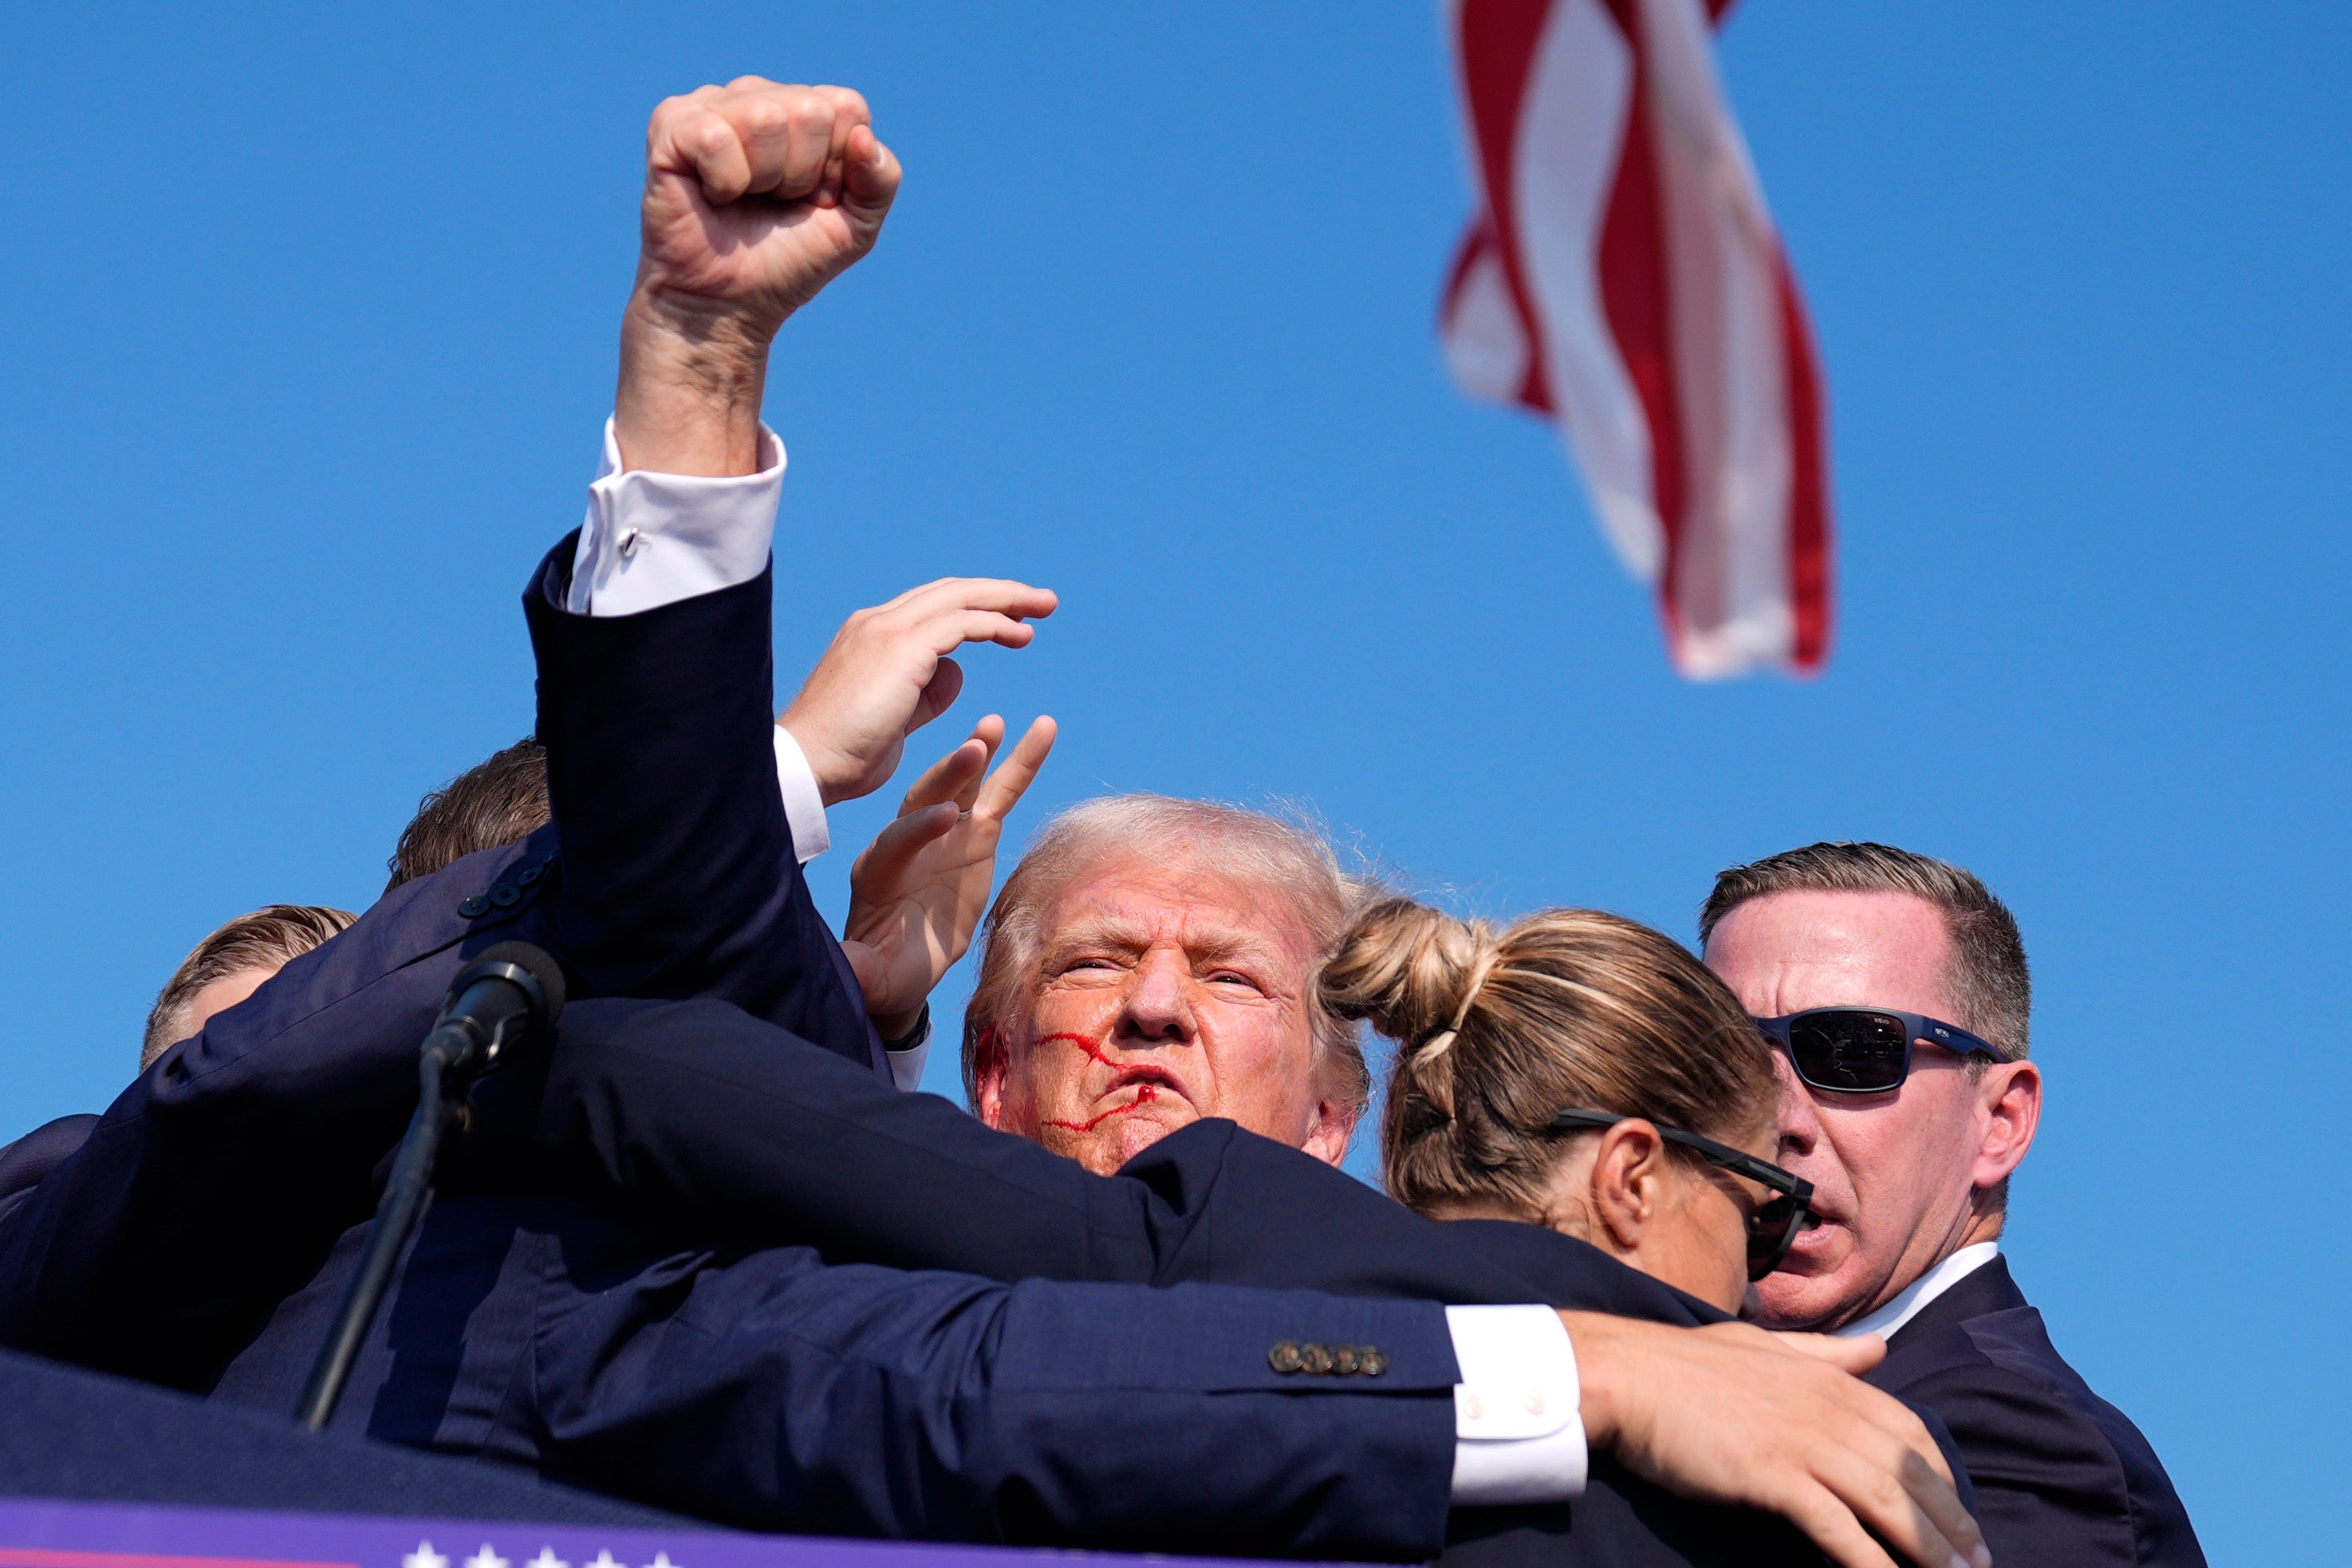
(605, 1559)
(486, 1558)
(661, 1559)
(424, 1557)
(546, 1559)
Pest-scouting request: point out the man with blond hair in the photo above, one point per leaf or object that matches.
(1150, 963)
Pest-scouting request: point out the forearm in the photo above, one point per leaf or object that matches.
(692, 376)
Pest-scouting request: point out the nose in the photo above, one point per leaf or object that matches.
(1158, 1007)
(1799, 1126)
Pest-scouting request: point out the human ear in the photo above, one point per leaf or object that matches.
(1334, 1127)
(2011, 1103)
(988, 1082)
(1628, 1172)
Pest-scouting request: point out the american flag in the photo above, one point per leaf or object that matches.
(1624, 277)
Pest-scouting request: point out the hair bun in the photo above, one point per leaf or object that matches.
(1407, 968)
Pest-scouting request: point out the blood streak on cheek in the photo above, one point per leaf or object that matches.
(1086, 1043)
(1144, 1095)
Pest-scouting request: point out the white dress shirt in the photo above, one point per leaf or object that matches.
(651, 540)
(1908, 1303)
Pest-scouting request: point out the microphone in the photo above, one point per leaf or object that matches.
(512, 992)
(510, 995)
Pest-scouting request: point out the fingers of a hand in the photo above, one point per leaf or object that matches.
(943, 595)
(1005, 596)
(947, 778)
(809, 146)
(1818, 1512)
(980, 626)
(1855, 1355)
(991, 731)
(886, 861)
(870, 176)
(1933, 1493)
(1013, 776)
(1884, 1490)
(689, 136)
(938, 694)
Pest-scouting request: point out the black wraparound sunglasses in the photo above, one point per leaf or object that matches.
(1864, 1050)
(1773, 1226)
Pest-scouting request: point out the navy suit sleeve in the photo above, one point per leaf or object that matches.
(678, 873)
(775, 1394)
(701, 1117)
(226, 1169)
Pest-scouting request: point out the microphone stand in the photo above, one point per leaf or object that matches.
(459, 1048)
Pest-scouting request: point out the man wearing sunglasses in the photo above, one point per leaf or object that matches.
(1894, 990)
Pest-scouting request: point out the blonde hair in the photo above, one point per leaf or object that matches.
(269, 937)
(1291, 862)
(1497, 1031)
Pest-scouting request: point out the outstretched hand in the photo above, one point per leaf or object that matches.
(918, 891)
(888, 674)
(1731, 1414)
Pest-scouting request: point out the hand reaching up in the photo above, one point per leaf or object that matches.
(888, 674)
(918, 891)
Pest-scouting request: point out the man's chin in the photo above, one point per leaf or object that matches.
(1805, 1291)
(1111, 1142)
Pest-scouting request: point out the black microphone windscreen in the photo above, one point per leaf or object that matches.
(541, 966)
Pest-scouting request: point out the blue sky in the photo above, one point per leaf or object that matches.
(307, 320)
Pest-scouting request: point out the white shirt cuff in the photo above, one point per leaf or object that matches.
(1518, 1435)
(907, 1066)
(804, 805)
(651, 539)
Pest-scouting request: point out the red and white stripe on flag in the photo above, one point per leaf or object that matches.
(1625, 278)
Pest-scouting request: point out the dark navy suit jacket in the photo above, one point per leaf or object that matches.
(764, 1387)
(692, 1115)
(2062, 1476)
(203, 1231)
(211, 1186)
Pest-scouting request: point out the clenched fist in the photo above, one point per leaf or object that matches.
(757, 195)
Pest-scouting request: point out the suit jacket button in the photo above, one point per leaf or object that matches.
(1343, 1359)
(530, 874)
(1370, 1362)
(1284, 1357)
(1314, 1360)
(505, 896)
(474, 909)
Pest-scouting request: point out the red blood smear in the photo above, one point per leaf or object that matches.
(1144, 1094)
(1086, 1043)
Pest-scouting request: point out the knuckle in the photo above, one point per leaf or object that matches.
(764, 116)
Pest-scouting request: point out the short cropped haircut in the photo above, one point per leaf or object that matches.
(268, 938)
(1290, 861)
(1987, 976)
(498, 801)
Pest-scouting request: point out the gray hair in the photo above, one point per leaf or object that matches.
(1292, 861)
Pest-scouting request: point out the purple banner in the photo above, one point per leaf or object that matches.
(35, 1533)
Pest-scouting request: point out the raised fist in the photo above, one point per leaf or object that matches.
(757, 195)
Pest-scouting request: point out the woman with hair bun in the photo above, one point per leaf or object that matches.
(1576, 1070)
